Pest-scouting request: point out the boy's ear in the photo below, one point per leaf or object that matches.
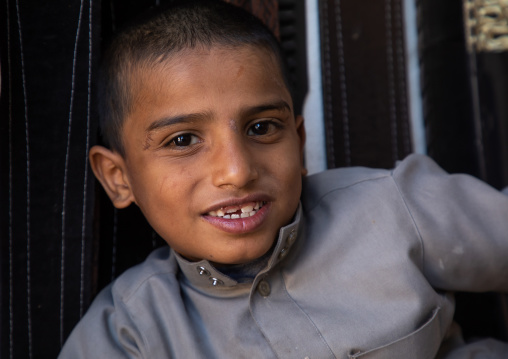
(109, 168)
(300, 128)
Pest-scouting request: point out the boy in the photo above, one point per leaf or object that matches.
(199, 120)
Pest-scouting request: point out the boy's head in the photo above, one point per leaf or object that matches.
(163, 33)
(208, 144)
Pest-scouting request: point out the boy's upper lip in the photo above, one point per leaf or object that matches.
(238, 202)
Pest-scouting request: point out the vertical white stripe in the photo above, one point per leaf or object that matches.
(64, 195)
(413, 79)
(27, 148)
(11, 268)
(85, 176)
(315, 148)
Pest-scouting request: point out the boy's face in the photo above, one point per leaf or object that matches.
(213, 131)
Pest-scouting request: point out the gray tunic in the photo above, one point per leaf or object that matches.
(365, 270)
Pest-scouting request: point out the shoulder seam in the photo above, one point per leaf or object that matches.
(143, 281)
(346, 187)
(412, 220)
(146, 347)
(126, 299)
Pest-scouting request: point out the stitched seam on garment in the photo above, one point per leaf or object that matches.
(305, 313)
(310, 209)
(259, 325)
(127, 298)
(146, 347)
(414, 223)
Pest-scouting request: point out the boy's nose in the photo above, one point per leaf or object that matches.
(234, 164)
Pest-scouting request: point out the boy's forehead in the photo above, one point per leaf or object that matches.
(182, 78)
(192, 65)
(174, 64)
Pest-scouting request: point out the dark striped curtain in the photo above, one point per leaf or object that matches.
(48, 56)
(364, 82)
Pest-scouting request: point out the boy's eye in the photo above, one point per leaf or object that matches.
(183, 140)
(261, 128)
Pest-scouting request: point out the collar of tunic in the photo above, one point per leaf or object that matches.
(204, 274)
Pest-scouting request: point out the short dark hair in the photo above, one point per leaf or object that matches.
(163, 32)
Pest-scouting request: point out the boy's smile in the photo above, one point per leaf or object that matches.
(213, 152)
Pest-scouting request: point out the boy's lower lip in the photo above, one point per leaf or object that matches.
(240, 225)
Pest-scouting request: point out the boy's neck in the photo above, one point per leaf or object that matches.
(245, 272)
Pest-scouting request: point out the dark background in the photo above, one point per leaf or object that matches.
(62, 241)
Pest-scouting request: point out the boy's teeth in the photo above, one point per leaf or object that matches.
(247, 210)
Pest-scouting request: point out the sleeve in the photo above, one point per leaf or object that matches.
(462, 223)
(106, 331)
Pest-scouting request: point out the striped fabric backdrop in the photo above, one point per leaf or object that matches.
(47, 197)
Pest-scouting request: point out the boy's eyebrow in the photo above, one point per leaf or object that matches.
(168, 121)
(279, 106)
(249, 111)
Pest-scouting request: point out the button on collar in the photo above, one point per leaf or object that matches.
(291, 238)
(284, 252)
(203, 271)
(264, 288)
(216, 282)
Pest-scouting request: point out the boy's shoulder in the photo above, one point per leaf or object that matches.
(317, 186)
(343, 177)
(159, 264)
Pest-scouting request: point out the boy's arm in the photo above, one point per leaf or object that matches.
(462, 223)
(106, 331)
